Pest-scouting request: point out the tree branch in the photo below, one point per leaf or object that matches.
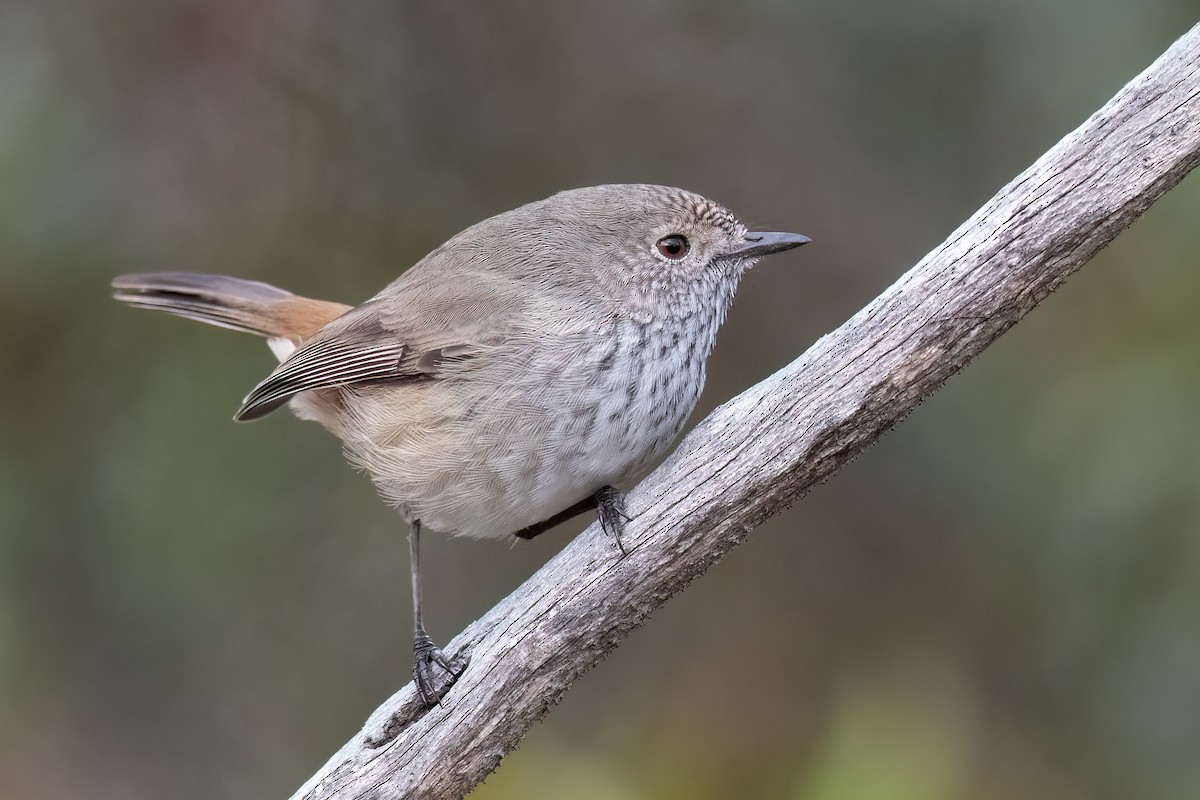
(764, 449)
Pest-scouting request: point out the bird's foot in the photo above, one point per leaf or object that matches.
(432, 684)
(610, 506)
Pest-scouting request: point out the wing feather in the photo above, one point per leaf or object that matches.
(423, 326)
(340, 364)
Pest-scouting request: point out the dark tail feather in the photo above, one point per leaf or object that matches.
(249, 306)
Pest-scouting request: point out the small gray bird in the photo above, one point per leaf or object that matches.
(516, 375)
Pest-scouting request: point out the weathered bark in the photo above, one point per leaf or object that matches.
(764, 449)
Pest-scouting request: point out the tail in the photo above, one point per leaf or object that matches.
(250, 306)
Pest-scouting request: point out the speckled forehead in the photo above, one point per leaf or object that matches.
(704, 210)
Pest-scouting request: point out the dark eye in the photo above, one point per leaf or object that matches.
(673, 247)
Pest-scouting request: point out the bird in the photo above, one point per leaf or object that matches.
(516, 376)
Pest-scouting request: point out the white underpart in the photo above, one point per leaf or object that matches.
(281, 347)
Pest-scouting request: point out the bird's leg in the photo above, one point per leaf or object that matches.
(610, 505)
(425, 652)
(586, 504)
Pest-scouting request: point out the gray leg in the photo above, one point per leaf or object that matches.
(609, 502)
(425, 652)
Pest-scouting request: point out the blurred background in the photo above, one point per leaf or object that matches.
(998, 600)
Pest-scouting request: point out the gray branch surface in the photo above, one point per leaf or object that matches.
(765, 448)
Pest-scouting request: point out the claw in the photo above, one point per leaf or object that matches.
(610, 506)
(430, 688)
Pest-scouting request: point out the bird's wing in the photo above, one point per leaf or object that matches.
(414, 330)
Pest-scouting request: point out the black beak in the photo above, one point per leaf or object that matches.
(757, 243)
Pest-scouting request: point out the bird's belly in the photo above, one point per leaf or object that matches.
(487, 464)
